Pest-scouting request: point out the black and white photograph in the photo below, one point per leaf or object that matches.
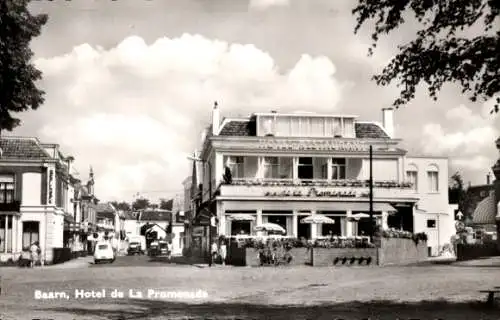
(249, 159)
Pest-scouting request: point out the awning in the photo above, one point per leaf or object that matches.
(485, 211)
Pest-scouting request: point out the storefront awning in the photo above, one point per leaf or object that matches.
(485, 211)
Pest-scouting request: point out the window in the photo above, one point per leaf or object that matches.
(236, 165)
(306, 168)
(432, 178)
(412, 177)
(6, 188)
(271, 167)
(338, 169)
(431, 223)
(6, 234)
(30, 232)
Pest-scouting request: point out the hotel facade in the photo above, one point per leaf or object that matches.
(280, 168)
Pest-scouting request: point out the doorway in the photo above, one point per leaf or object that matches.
(31, 233)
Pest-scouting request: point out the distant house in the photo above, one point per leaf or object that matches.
(162, 219)
(131, 225)
(481, 207)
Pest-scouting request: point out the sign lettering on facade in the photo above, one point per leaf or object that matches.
(313, 192)
(329, 145)
(51, 188)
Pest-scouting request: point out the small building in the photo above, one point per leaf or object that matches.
(131, 225)
(155, 220)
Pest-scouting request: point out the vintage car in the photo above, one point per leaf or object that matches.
(134, 248)
(104, 252)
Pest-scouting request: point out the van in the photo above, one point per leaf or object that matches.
(140, 239)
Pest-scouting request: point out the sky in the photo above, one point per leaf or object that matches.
(131, 84)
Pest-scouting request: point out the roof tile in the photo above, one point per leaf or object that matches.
(17, 148)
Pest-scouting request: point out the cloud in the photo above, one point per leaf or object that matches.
(264, 4)
(467, 137)
(136, 110)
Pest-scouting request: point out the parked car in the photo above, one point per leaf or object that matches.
(134, 248)
(104, 252)
(153, 249)
(162, 248)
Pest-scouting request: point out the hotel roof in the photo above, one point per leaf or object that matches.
(22, 148)
(247, 128)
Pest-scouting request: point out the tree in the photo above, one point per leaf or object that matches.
(124, 206)
(441, 52)
(140, 204)
(18, 76)
(458, 194)
(166, 204)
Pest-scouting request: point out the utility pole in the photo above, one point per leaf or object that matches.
(371, 195)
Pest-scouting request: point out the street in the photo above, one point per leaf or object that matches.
(141, 261)
(94, 292)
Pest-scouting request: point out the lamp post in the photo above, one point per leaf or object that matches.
(205, 162)
(371, 195)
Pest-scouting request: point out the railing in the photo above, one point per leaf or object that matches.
(11, 206)
(320, 183)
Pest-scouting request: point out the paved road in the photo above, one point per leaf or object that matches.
(143, 261)
(248, 293)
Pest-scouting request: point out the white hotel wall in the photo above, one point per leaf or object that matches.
(435, 205)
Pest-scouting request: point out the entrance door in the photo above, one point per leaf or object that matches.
(31, 233)
(304, 229)
(240, 227)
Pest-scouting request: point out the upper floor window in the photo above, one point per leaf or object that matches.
(306, 169)
(412, 176)
(338, 169)
(236, 165)
(433, 179)
(271, 167)
(6, 188)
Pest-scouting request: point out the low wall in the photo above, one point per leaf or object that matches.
(475, 251)
(322, 257)
(300, 256)
(401, 251)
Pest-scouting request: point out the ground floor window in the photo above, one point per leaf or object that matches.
(303, 229)
(31, 233)
(332, 229)
(6, 234)
(240, 227)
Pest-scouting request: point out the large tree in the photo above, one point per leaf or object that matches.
(443, 50)
(125, 206)
(141, 204)
(458, 195)
(18, 76)
(166, 204)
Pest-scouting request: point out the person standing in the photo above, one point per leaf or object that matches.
(170, 248)
(223, 251)
(214, 251)
(34, 250)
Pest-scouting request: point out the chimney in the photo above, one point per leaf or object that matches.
(388, 121)
(488, 177)
(215, 119)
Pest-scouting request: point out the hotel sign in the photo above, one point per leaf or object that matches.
(313, 192)
(312, 145)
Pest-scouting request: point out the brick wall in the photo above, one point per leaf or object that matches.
(322, 257)
(401, 251)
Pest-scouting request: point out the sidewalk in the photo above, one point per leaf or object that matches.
(74, 263)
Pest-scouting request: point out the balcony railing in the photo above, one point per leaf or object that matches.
(321, 183)
(11, 206)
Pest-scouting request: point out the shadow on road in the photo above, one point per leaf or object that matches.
(148, 309)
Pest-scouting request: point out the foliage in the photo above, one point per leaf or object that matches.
(289, 243)
(166, 204)
(141, 204)
(124, 206)
(441, 52)
(458, 194)
(18, 76)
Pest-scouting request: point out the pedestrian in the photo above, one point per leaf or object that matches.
(34, 250)
(223, 251)
(170, 248)
(214, 251)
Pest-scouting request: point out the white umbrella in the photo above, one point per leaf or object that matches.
(270, 227)
(358, 216)
(317, 219)
(241, 217)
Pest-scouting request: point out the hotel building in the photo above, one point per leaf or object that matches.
(284, 167)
